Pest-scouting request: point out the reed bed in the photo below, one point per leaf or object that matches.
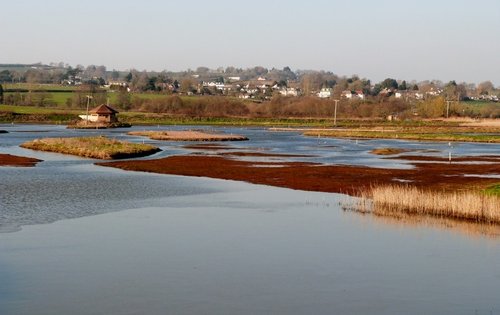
(463, 205)
(92, 147)
(187, 135)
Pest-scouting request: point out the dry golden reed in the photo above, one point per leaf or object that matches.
(463, 205)
(187, 135)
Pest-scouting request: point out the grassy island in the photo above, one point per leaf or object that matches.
(187, 135)
(92, 147)
(388, 151)
(93, 125)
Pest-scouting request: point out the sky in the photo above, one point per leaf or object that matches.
(411, 40)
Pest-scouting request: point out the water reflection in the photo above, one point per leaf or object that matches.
(405, 221)
(247, 249)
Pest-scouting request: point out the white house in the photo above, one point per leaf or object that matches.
(289, 91)
(350, 95)
(325, 93)
(360, 95)
(347, 94)
(217, 85)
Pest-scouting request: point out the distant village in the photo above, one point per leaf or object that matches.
(264, 88)
(256, 83)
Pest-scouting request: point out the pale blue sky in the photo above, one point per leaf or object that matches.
(420, 39)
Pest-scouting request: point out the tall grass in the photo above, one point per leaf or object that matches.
(187, 135)
(463, 205)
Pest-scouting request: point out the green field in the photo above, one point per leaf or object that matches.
(30, 110)
(38, 87)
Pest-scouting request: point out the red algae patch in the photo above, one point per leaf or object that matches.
(14, 160)
(317, 177)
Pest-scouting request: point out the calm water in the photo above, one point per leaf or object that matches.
(135, 243)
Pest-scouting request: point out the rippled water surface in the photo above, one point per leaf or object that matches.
(136, 243)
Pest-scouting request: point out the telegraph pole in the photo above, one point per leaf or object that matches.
(448, 109)
(88, 103)
(335, 113)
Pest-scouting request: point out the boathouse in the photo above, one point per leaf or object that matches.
(101, 114)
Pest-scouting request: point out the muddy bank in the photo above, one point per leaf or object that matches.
(14, 160)
(325, 178)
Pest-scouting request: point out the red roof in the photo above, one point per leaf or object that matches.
(104, 110)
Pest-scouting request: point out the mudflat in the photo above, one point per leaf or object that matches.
(469, 173)
(14, 160)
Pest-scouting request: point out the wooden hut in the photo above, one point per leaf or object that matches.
(101, 114)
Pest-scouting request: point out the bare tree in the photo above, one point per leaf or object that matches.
(485, 87)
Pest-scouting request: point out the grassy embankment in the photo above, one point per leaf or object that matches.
(423, 133)
(41, 115)
(32, 114)
(92, 147)
(187, 136)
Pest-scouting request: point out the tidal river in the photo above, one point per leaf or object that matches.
(76, 238)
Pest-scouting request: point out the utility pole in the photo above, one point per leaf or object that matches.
(448, 108)
(88, 103)
(335, 113)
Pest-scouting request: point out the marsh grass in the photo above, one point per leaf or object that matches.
(388, 151)
(400, 199)
(187, 135)
(92, 147)
(493, 190)
(420, 135)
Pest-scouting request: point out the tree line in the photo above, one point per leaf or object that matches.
(308, 81)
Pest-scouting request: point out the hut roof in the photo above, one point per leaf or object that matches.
(103, 110)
